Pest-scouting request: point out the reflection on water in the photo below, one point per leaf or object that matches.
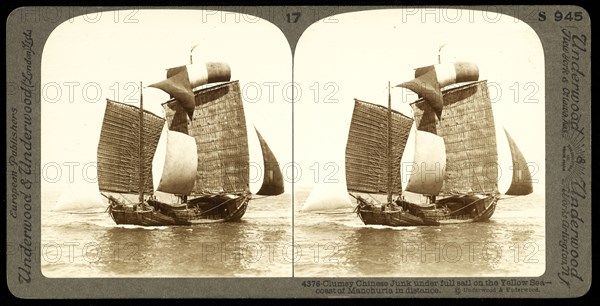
(91, 245)
(223, 249)
(325, 245)
(511, 243)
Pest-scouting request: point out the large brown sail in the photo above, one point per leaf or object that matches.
(521, 180)
(219, 127)
(467, 127)
(366, 158)
(118, 148)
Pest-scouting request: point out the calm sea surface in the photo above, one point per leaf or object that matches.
(88, 243)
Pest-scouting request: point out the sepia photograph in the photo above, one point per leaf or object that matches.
(298, 152)
(163, 132)
(425, 149)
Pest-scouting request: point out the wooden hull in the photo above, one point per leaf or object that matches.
(451, 210)
(201, 210)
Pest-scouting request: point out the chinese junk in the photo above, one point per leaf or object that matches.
(207, 157)
(455, 160)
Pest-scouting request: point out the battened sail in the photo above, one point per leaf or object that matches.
(521, 179)
(429, 164)
(219, 128)
(118, 149)
(467, 128)
(181, 163)
(272, 178)
(366, 159)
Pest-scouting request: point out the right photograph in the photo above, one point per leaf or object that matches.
(419, 141)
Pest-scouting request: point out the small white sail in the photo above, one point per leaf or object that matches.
(180, 166)
(429, 164)
(79, 196)
(327, 196)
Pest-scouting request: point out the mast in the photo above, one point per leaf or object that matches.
(191, 50)
(141, 150)
(440, 53)
(389, 146)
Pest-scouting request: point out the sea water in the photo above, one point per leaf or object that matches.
(276, 239)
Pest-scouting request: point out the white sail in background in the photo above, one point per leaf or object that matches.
(326, 196)
(429, 164)
(79, 196)
(180, 165)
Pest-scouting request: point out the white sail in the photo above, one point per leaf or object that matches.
(408, 157)
(326, 196)
(79, 196)
(180, 165)
(429, 164)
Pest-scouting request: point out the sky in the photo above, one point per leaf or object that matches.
(94, 57)
(357, 56)
(91, 58)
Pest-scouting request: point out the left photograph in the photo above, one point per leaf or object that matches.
(165, 140)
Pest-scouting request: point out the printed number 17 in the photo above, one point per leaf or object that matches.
(293, 17)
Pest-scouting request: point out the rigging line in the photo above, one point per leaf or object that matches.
(146, 184)
(476, 178)
(506, 198)
(472, 203)
(370, 195)
(223, 168)
(260, 197)
(126, 199)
